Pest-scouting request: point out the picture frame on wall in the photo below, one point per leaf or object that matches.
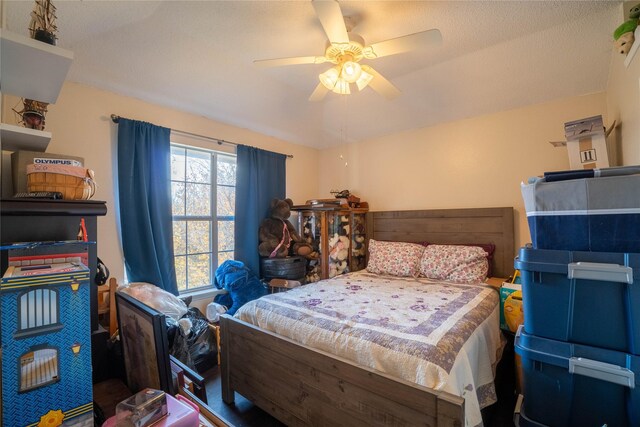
(145, 345)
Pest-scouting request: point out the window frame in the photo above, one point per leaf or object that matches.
(213, 218)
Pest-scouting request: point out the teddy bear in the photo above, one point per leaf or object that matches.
(307, 237)
(278, 237)
(338, 247)
(341, 266)
(359, 249)
(338, 254)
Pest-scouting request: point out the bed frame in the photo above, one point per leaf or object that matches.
(301, 386)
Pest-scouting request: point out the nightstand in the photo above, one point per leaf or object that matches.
(495, 282)
(282, 285)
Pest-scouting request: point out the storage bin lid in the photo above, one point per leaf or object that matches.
(607, 365)
(557, 261)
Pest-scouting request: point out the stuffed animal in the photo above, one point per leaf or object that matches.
(313, 271)
(624, 36)
(338, 254)
(277, 234)
(344, 222)
(341, 266)
(240, 283)
(339, 247)
(333, 270)
(359, 248)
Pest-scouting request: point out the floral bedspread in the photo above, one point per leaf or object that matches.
(441, 335)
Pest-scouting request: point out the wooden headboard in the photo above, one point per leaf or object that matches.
(442, 226)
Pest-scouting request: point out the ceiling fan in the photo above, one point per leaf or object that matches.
(346, 49)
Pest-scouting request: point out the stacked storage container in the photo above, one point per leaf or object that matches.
(580, 345)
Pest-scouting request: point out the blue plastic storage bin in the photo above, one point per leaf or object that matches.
(592, 214)
(589, 298)
(576, 385)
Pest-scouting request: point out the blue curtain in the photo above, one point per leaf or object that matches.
(260, 177)
(145, 203)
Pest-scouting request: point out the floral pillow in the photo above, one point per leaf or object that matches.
(489, 248)
(394, 258)
(454, 263)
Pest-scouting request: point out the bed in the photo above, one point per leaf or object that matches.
(302, 381)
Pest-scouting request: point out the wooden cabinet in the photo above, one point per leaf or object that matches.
(24, 220)
(337, 237)
(48, 347)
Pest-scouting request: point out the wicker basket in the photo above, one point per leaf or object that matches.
(75, 183)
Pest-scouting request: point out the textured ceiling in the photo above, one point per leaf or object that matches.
(197, 57)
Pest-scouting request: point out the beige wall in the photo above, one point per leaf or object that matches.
(81, 126)
(477, 162)
(623, 103)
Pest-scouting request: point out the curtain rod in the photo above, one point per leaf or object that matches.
(115, 119)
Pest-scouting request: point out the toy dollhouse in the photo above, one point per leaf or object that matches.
(45, 335)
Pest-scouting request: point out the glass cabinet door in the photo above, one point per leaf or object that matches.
(337, 238)
(311, 230)
(358, 238)
(338, 228)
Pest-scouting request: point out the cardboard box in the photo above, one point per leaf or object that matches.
(511, 308)
(588, 153)
(20, 160)
(587, 143)
(583, 128)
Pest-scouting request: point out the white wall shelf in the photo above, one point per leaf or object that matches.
(13, 138)
(634, 49)
(32, 69)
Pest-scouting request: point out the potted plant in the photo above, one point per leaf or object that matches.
(43, 22)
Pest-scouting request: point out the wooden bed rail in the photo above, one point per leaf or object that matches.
(301, 386)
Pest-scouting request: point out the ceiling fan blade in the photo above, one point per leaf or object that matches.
(319, 93)
(290, 61)
(330, 17)
(403, 44)
(381, 85)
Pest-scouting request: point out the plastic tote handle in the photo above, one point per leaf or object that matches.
(600, 271)
(189, 403)
(602, 371)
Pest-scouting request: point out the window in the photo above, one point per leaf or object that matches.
(203, 188)
(38, 368)
(37, 312)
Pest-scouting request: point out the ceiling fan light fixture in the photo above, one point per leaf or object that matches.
(342, 87)
(351, 71)
(330, 77)
(364, 80)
